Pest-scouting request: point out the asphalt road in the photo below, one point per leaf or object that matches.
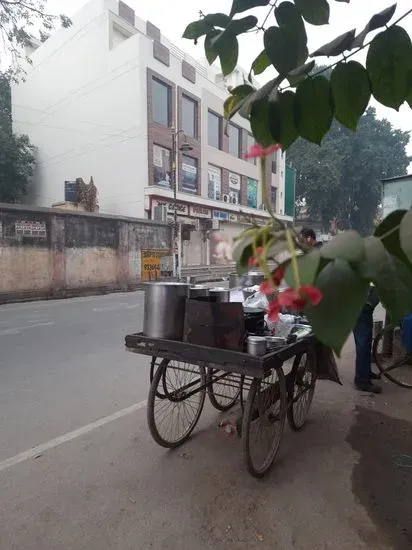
(79, 470)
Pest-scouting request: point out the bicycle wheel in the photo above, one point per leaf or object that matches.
(263, 422)
(173, 416)
(391, 358)
(223, 388)
(304, 367)
(153, 366)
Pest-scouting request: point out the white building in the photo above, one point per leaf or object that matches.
(100, 99)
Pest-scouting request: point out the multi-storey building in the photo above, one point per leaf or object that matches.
(103, 98)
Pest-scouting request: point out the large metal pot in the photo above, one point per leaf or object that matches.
(164, 309)
(198, 291)
(253, 278)
(235, 280)
(222, 294)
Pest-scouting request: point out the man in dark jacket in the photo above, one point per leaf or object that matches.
(308, 236)
(363, 333)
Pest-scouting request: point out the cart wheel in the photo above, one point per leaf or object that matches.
(301, 394)
(153, 366)
(173, 413)
(224, 392)
(263, 422)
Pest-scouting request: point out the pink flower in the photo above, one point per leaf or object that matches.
(273, 310)
(268, 287)
(253, 261)
(297, 299)
(257, 151)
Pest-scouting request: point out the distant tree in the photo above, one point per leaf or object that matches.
(17, 19)
(16, 152)
(342, 179)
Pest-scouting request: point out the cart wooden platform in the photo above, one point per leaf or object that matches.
(270, 388)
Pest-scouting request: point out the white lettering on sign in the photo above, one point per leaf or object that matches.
(181, 208)
(200, 211)
(30, 229)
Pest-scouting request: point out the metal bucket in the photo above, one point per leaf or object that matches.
(253, 278)
(164, 310)
(222, 294)
(235, 281)
(198, 291)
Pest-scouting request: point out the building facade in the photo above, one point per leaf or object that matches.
(103, 98)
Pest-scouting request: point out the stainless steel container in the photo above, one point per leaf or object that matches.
(253, 278)
(273, 342)
(235, 281)
(256, 345)
(222, 294)
(164, 309)
(198, 291)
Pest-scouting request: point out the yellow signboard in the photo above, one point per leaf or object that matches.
(155, 263)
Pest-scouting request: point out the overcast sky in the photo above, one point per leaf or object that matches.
(171, 16)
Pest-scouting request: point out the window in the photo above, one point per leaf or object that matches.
(234, 141)
(250, 143)
(275, 162)
(189, 170)
(162, 102)
(214, 125)
(189, 116)
(214, 177)
(252, 187)
(234, 188)
(162, 166)
(273, 197)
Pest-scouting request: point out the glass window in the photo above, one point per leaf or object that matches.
(273, 197)
(214, 125)
(189, 170)
(234, 141)
(214, 190)
(250, 143)
(162, 102)
(234, 188)
(252, 187)
(162, 166)
(189, 116)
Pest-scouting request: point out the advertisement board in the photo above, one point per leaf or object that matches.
(156, 263)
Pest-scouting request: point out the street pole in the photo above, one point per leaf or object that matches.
(174, 185)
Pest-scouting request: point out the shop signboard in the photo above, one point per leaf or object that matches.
(220, 215)
(198, 211)
(182, 209)
(155, 263)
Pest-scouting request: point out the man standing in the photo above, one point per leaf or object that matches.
(363, 333)
(308, 236)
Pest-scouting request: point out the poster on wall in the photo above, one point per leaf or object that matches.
(234, 188)
(252, 186)
(161, 166)
(189, 169)
(214, 182)
(156, 263)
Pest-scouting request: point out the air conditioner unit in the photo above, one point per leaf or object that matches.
(160, 213)
(206, 225)
(233, 199)
(225, 198)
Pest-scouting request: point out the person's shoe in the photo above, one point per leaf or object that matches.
(375, 376)
(369, 387)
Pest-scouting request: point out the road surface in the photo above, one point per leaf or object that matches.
(78, 469)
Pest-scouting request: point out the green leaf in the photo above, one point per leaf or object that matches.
(242, 251)
(337, 46)
(227, 47)
(290, 20)
(217, 20)
(239, 26)
(389, 63)
(300, 73)
(392, 279)
(344, 294)
(210, 52)
(405, 235)
(348, 246)
(196, 29)
(377, 21)
(259, 122)
(283, 50)
(234, 102)
(281, 119)
(243, 5)
(351, 92)
(389, 233)
(313, 108)
(308, 269)
(260, 64)
(315, 12)
(261, 93)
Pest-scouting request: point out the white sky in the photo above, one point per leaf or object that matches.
(171, 16)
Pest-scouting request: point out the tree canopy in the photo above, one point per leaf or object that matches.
(342, 179)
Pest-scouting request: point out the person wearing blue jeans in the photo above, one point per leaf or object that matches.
(363, 333)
